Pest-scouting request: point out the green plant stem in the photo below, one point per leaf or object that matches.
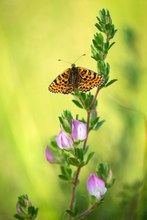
(87, 211)
(84, 145)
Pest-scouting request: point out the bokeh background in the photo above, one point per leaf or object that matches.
(33, 36)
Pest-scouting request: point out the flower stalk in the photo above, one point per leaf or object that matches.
(100, 49)
(69, 148)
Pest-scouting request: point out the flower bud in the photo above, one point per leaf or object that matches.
(79, 130)
(48, 155)
(96, 186)
(24, 208)
(64, 141)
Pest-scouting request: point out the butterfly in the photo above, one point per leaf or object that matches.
(75, 78)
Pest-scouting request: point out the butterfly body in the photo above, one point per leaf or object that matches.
(75, 78)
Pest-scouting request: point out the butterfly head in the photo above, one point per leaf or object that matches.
(73, 65)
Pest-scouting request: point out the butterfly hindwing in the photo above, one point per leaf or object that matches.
(88, 79)
(61, 83)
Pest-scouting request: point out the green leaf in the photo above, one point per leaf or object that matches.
(73, 161)
(99, 124)
(110, 82)
(83, 95)
(32, 211)
(111, 44)
(66, 126)
(77, 103)
(66, 171)
(18, 216)
(102, 170)
(98, 27)
(63, 177)
(93, 122)
(67, 115)
(53, 144)
(80, 154)
(107, 67)
(90, 155)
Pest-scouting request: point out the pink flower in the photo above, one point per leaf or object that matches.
(79, 130)
(96, 186)
(48, 155)
(18, 208)
(64, 141)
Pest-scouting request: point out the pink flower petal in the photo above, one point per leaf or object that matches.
(64, 141)
(96, 186)
(49, 155)
(79, 130)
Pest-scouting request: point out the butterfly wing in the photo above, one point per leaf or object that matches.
(61, 83)
(88, 79)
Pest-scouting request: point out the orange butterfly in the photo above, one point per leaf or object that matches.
(75, 78)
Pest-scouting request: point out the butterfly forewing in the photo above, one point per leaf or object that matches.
(61, 83)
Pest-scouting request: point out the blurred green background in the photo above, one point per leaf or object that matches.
(33, 36)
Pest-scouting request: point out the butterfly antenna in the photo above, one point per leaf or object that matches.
(64, 61)
(79, 57)
(74, 62)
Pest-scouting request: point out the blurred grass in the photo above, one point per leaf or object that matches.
(33, 36)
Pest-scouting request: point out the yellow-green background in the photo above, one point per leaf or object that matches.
(33, 36)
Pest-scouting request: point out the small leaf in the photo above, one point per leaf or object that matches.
(32, 211)
(67, 115)
(99, 124)
(93, 122)
(111, 45)
(80, 153)
(18, 216)
(53, 144)
(63, 177)
(110, 82)
(102, 170)
(89, 157)
(77, 103)
(66, 171)
(98, 27)
(73, 161)
(65, 125)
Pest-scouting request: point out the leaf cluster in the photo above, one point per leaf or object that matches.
(25, 210)
(104, 172)
(66, 121)
(83, 100)
(101, 43)
(79, 157)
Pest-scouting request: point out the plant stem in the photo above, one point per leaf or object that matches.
(84, 145)
(79, 168)
(88, 121)
(74, 188)
(87, 211)
(94, 98)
